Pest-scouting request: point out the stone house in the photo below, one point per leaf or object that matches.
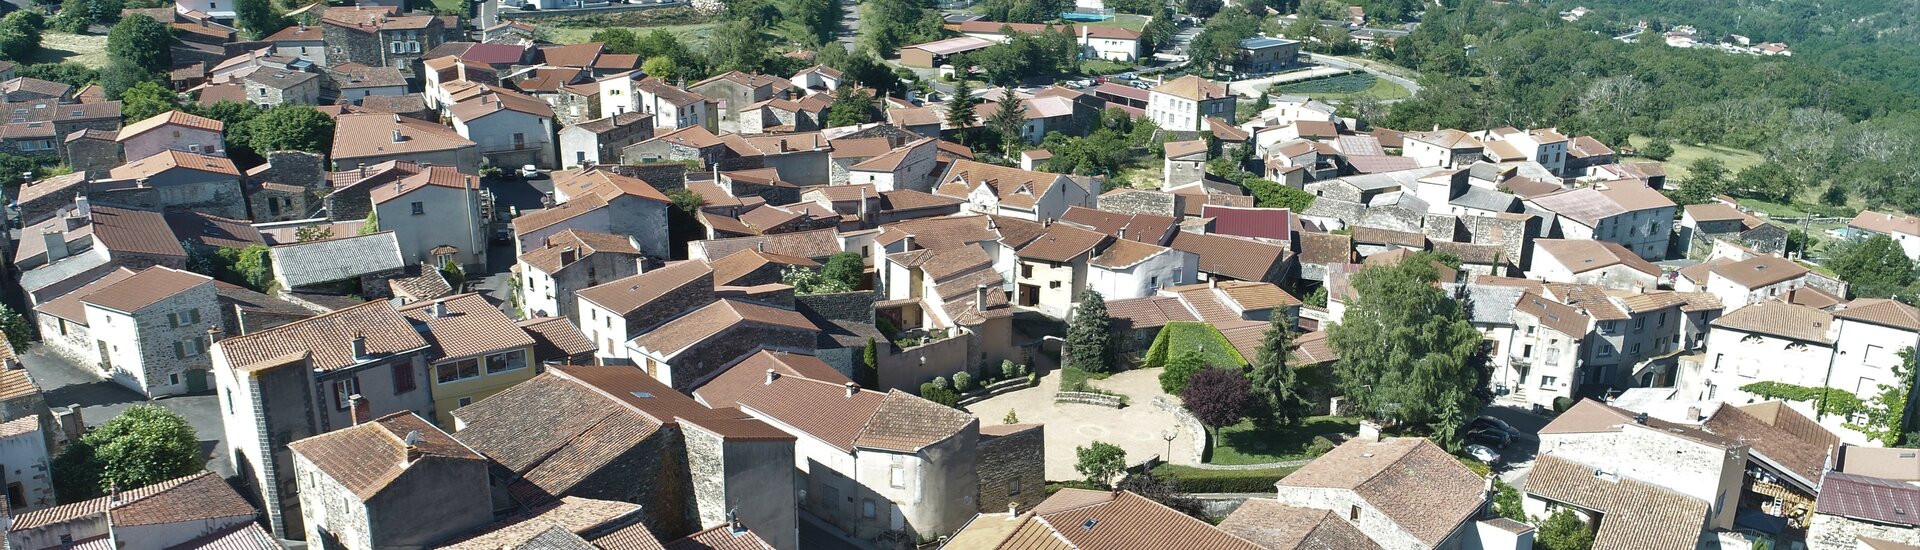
(172, 131)
(1367, 482)
(379, 36)
(693, 143)
(872, 462)
(430, 486)
(733, 91)
(1235, 258)
(588, 212)
(37, 126)
(347, 199)
(435, 214)
(636, 208)
(356, 82)
(573, 260)
(1544, 356)
(29, 89)
(1681, 458)
(1846, 517)
(1701, 224)
(686, 465)
(269, 88)
(1618, 507)
(780, 115)
(1023, 194)
(693, 347)
(184, 511)
(673, 107)
(287, 187)
(91, 153)
(1753, 280)
(302, 41)
(1628, 213)
(477, 350)
(179, 180)
(1545, 146)
(511, 129)
(311, 377)
(373, 138)
(1149, 524)
(1592, 262)
(1182, 104)
(1262, 54)
(613, 313)
(148, 330)
(601, 140)
(1186, 163)
(358, 263)
(1009, 455)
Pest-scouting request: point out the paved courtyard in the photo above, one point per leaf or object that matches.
(1136, 428)
(66, 383)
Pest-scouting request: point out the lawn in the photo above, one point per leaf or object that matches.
(1247, 443)
(1135, 23)
(1196, 480)
(693, 35)
(1683, 155)
(451, 6)
(1097, 67)
(85, 49)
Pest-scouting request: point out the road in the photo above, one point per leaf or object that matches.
(67, 383)
(1340, 62)
(1517, 459)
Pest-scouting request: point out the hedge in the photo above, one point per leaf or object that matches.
(1837, 401)
(1214, 346)
(1195, 480)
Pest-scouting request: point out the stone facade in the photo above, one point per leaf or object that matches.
(215, 194)
(1013, 469)
(153, 350)
(733, 476)
(90, 155)
(692, 366)
(663, 176)
(1141, 201)
(1828, 532)
(1513, 234)
(843, 306)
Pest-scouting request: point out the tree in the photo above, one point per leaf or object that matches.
(144, 445)
(1886, 413)
(143, 42)
(1203, 8)
(960, 107)
(1768, 180)
(371, 226)
(617, 40)
(1218, 397)
(1090, 335)
(1277, 389)
(1180, 370)
(870, 364)
(312, 233)
(290, 127)
(1405, 346)
(846, 267)
(1564, 531)
(1100, 461)
(19, 331)
(1659, 149)
(850, 106)
(1706, 178)
(1317, 298)
(66, 72)
(245, 267)
(258, 17)
(1166, 491)
(1507, 501)
(1876, 267)
(76, 473)
(1007, 123)
(807, 280)
(737, 46)
(20, 34)
(146, 99)
(660, 67)
(456, 277)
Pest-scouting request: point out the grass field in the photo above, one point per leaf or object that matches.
(1345, 87)
(1246, 443)
(1127, 21)
(451, 6)
(693, 35)
(85, 49)
(1683, 154)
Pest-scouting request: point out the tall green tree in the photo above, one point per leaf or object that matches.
(1876, 267)
(1090, 335)
(850, 107)
(147, 99)
(960, 107)
(1887, 412)
(1006, 124)
(1100, 461)
(1277, 388)
(1564, 531)
(143, 42)
(290, 127)
(19, 332)
(737, 46)
(846, 267)
(1706, 178)
(20, 34)
(122, 75)
(1405, 346)
(144, 445)
(870, 364)
(258, 17)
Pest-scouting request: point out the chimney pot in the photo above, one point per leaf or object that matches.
(569, 255)
(439, 309)
(853, 389)
(772, 375)
(1693, 414)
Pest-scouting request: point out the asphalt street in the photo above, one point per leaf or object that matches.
(67, 383)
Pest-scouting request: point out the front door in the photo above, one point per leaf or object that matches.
(196, 380)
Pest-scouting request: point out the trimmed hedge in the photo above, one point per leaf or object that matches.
(1195, 480)
(1187, 335)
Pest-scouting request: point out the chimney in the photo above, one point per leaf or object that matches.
(82, 206)
(1693, 414)
(783, 145)
(397, 138)
(992, 225)
(772, 375)
(75, 221)
(213, 334)
(908, 247)
(863, 203)
(1013, 510)
(1640, 418)
(353, 408)
(734, 525)
(1369, 431)
(439, 309)
(363, 169)
(412, 442)
(853, 389)
(980, 297)
(359, 345)
(569, 255)
(56, 240)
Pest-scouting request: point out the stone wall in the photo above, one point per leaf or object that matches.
(1019, 458)
(663, 176)
(1141, 202)
(94, 157)
(654, 475)
(1837, 533)
(348, 204)
(707, 470)
(670, 305)
(705, 359)
(295, 168)
(1196, 432)
(908, 368)
(1511, 234)
(222, 197)
(843, 306)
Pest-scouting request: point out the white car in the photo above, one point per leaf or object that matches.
(529, 171)
(1483, 453)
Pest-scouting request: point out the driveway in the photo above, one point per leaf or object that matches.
(1137, 428)
(66, 383)
(1517, 459)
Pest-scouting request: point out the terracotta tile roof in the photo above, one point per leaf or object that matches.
(170, 159)
(328, 338)
(1122, 254)
(1813, 297)
(1780, 435)
(1881, 311)
(211, 230)
(1325, 248)
(1446, 138)
(553, 431)
(371, 134)
(1871, 543)
(668, 92)
(371, 19)
(368, 457)
(1180, 149)
(1061, 243)
(1313, 348)
(191, 499)
(823, 410)
(743, 377)
(69, 307)
(908, 199)
(496, 100)
(1410, 480)
(1714, 211)
(571, 515)
(906, 423)
(145, 288)
(631, 537)
(429, 284)
(1015, 187)
(1589, 205)
(175, 118)
(624, 296)
(433, 176)
(1636, 515)
(583, 243)
(1078, 518)
(732, 268)
(1257, 295)
(1375, 235)
(572, 55)
(1237, 258)
(1150, 311)
(720, 537)
(1653, 300)
(818, 243)
(944, 232)
(1193, 88)
(707, 322)
(468, 327)
(131, 231)
(890, 161)
(1271, 524)
(1881, 222)
(536, 220)
(1581, 256)
(1868, 498)
(555, 338)
(1781, 319)
(1146, 228)
(1589, 416)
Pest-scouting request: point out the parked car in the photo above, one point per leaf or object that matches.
(1490, 437)
(1494, 423)
(1483, 454)
(529, 171)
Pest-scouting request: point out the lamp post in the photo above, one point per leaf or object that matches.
(1168, 436)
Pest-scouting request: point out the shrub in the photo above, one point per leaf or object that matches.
(1321, 445)
(1195, 480)
(1561, 404)
(1024, 370)
(1008, 370)
(1011, 418)
(962, 382)
(941, 395)
(942, 383)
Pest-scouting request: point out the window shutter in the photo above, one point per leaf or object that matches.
(194, 314)
(173, 320)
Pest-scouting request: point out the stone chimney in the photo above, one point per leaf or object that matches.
(214, 333)
(56, 240)
(980, 298)
(354, 410)
(363, 169)
(852, 389)
(772, 375)
(439, 309)
(908, 244)
(1013, 510)
(1693, 414)
(412, 441)
(1369, 431)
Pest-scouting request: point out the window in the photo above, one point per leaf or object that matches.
(1635, 350)
(229, 402)
(503, 362)
(1013, 488)
(1603, 350)
(403, 378)
(1549, 381)
(457, 370)
(173, 379)
(1026, 271)
(342, 389)
(468, 400)
(897, 476)
(419, 208)
(1662, 322)
(866, 508)
(1353, 512)
(173, 320)
(1639, 324)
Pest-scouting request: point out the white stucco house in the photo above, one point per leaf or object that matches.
(1754, 280)
(1023, 194)
(1903, 229)
(435, 215)
(1627, 212)
(1591, 262)
(511, 129)
(1133, 269)
(1183, 104)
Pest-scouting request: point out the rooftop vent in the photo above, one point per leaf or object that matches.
(1089, 523)
(642, 395)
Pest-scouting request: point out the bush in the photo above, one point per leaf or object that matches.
(1008, 370)
(1195, 480)
(942, 383)
(1321, 445)
(962, 382)
(939, 394)
(1561, 404)
(1179, 370)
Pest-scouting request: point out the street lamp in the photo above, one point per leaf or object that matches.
(1168, 436)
